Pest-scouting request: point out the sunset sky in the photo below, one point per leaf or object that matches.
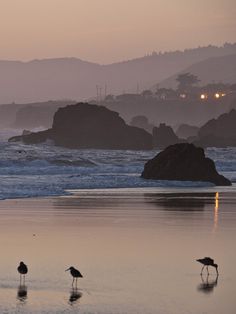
(106, 31)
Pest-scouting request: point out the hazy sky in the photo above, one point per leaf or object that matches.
(105, 31)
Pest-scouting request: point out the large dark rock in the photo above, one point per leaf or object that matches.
(184, 162)
(164, 136)
(90, 126)
(220, 132)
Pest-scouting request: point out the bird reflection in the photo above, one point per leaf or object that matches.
(75, 295)
(22, 293)
(207, 286)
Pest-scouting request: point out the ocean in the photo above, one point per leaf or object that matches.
(47, 170)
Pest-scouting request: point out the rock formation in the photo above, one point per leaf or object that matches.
(142, 122)
(164, 136)
(183, 162)
(90, 126)
(186, 131)
(220, 132)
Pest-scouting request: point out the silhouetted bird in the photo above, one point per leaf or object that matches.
(22, 269)
(207, 261)
(75, 273)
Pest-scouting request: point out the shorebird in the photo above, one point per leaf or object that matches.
(75, 273)
(207, 261)
(23, 270)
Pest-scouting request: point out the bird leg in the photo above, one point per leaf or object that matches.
(202, 269)
(207, 270)
(73, 281)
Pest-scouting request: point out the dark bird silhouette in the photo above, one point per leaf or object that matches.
(207, 261)
(23, 270)
(75, 273)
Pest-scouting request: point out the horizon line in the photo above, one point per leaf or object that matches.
(150, 54)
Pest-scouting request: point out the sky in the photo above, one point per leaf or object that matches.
(106, 31)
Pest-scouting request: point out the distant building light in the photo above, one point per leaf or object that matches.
(217, 95)
(223, 94)
(203, 96)
(182, 95)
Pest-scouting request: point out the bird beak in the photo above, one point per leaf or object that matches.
(67, 269)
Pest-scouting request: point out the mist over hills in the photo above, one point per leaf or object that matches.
(72, 78)
(211, 70)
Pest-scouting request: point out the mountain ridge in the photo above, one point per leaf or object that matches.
(73, 78)
(222, 69)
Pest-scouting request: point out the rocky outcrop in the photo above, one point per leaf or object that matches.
(164, 136)
(183, 162)
(220, 132)
(90, 126)
(186, 131)
(33, 138)
(26, 132)
(142, 122)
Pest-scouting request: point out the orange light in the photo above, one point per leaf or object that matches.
(216, 201)
(217, 95)
(203, 96)
(216, 211)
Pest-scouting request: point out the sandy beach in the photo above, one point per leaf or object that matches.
(136, 249)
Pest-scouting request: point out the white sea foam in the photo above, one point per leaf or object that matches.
(43, 170)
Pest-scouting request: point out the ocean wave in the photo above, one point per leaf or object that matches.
(44, 170)
(79, 163)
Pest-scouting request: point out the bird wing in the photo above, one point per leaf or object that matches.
(210, 260)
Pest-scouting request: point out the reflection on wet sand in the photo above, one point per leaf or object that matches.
(22, 293)
(216, 211)
(75, 295)
(207, 286)
(181, 201)
(137, 255)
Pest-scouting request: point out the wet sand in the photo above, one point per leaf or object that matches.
(135, 247)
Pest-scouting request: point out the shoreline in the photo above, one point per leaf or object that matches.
(132, 190)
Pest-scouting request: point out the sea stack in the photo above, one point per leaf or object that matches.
(90, 126)
(183, 162)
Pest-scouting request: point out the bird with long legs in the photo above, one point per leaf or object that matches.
(22, 270)
(75, 273)
(207, 261)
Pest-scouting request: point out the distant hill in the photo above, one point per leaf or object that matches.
(30, 116)
(215, 69)
(63, 78)
(172, 112)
